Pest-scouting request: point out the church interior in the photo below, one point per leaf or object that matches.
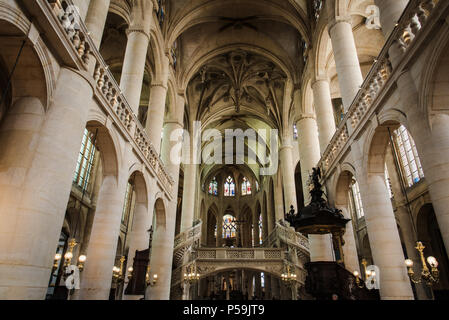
(224, 150)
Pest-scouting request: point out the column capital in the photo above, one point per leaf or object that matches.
(139, 30)
(159, 84)
(306, 116)
(337, 20)
(174, 122)
(320, 79)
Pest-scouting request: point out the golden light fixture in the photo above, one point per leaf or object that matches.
(430, 277)
(130, 273)
(150, 282)
(81, 260)
(358, 279)
(191, 276)
(69, 254)
(58, 258)
(289, 278)
(117, 272)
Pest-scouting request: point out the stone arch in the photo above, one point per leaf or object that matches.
(158, 52)
(208, 272)
(34, 58)
(159, 211)
(434, 88)
(322, 53)
(342, 189)
(210, 225)
(107, 144)
(307, 106)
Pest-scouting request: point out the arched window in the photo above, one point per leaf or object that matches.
(229, 227)
(408, 156)
(246, 187)
(257, 186)
(356, 202)
(260, 230)
(229, 187)
(213, 187)
(85, 162)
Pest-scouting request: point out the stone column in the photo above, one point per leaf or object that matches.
(138, 237)
(390, 12)
(384, 239)
(97, 276)
(157, 107)
(37, 162)
(279, 205)
(433, 149)
(162, 250)
(136, 52)
(288, 175)
(346, 59)
(188, 197)
(309, 153)
(96, 19)
(324, 112)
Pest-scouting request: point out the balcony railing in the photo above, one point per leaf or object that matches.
(288, 236)
(409, 28)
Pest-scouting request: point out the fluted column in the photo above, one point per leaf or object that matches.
(156, 109)
(136, 52)
(288, 175)
(188, 197)
(38, 156)
(384, 238)
(96, 19)
(346, 60)
(309, 154)
(97, 276)
(324, 112)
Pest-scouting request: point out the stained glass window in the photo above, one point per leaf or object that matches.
(411, 164)
(246, 187)
(260, 230)
(229, 187)
(85, 162)
(229, 227)
(262, 279)
(213, 187)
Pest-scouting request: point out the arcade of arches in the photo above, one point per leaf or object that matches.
(95, 93)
